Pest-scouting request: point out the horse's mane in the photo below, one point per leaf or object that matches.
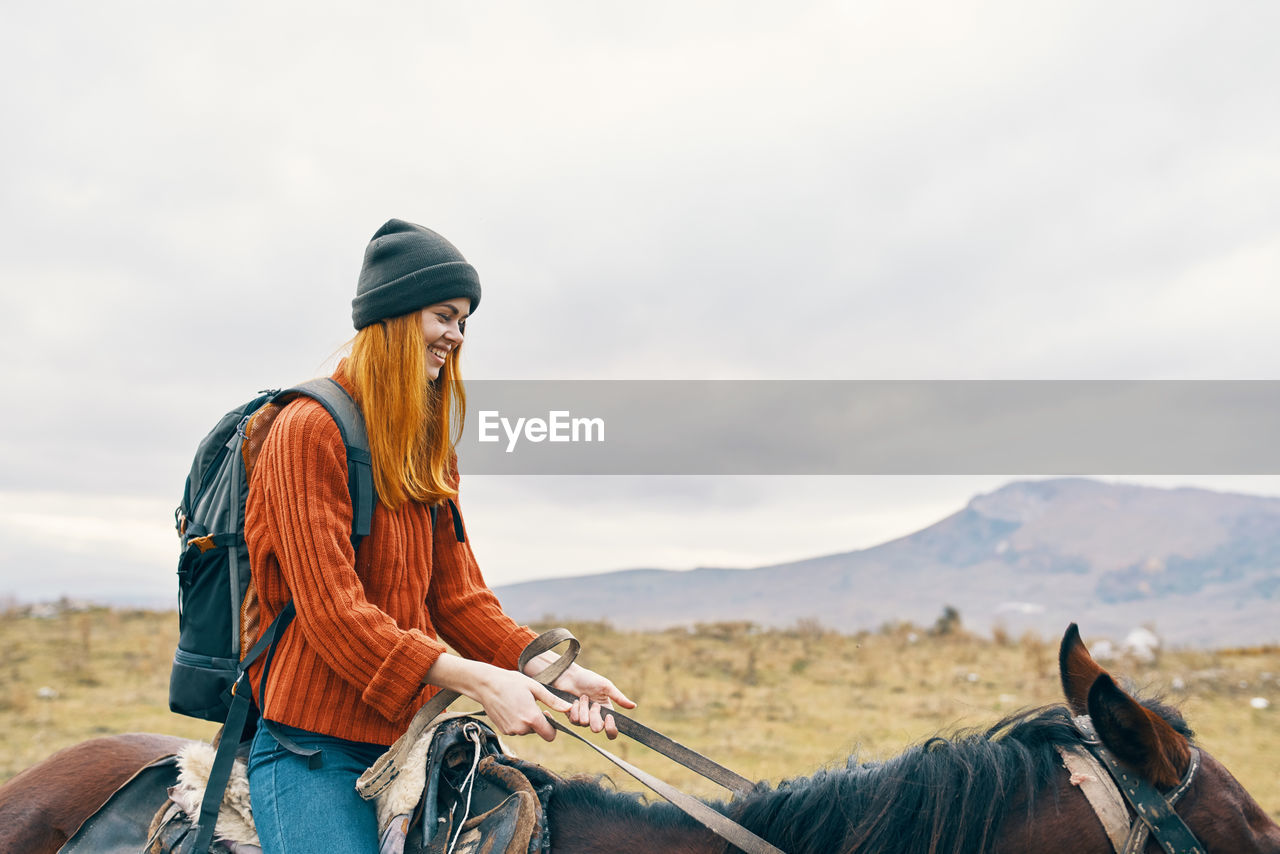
(947, 794)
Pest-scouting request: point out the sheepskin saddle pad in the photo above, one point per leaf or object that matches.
(456, 791)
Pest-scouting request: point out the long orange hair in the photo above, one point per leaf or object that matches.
(414, 422)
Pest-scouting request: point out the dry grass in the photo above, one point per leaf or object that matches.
(769, 704)
(78, 675)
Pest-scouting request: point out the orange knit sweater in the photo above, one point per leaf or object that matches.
(368, 624)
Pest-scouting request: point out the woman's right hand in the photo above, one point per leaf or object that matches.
(510, 699)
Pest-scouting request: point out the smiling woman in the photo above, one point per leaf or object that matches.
(366, 648)
(413, 424)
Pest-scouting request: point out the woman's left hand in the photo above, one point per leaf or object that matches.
(594, 695)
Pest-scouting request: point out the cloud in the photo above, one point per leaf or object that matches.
(882, 191)
(110, 548)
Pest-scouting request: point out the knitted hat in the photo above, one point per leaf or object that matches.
(408, 267)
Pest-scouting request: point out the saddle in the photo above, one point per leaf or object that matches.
(458, 791)
(472, 795)
(120, 825)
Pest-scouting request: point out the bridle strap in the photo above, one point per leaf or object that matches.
(1157, 816)
(650, 738)
(717, 823)
(1154, 809)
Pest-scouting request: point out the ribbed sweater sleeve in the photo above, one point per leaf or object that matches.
(306, 507)
(465, 611)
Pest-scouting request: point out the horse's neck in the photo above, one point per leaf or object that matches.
(582, 829)
(1069, 828)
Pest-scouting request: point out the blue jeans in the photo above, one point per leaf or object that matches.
(298, 810)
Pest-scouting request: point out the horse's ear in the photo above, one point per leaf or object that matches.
(1078, 670)
(1137, 735)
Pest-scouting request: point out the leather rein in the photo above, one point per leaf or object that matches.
(387, 767)
(1153, 813)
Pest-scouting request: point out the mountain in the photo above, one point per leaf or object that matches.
(1201, 567)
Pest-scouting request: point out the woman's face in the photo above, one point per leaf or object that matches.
(442, 327)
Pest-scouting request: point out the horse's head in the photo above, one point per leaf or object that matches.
(1215, 807)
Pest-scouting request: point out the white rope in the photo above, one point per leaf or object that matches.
(472, 732)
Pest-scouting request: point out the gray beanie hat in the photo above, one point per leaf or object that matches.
(408, 267)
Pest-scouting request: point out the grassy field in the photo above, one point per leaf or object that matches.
(769, 704)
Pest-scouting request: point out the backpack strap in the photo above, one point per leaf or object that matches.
(350, 421)
(458, 533)
(229, 738)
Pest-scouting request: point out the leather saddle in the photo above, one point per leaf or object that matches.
(477, 798)
(120, 826)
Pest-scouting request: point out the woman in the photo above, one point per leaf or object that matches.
(365, 650)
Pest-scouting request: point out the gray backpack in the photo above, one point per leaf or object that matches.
(217, 611)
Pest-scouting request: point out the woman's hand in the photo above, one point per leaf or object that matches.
(510, 699)
(595, 693)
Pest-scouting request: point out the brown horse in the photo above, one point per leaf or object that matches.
(1001, 790)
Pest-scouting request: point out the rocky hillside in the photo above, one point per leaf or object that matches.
(1201, 567)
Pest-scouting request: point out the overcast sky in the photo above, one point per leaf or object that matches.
(873, 190)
